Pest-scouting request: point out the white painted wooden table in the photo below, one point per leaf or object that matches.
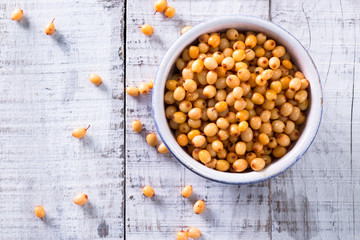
(45, 93)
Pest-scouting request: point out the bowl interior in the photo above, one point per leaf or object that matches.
(298, 55)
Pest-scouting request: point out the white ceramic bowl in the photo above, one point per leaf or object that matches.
(298, 55)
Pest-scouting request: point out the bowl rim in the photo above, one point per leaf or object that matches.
(299, 148)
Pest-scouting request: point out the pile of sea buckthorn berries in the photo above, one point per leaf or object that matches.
(238, 101)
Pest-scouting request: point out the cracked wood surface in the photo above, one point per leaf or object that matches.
(45, 93)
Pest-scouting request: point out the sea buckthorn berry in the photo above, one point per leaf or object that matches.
(95, 79)
(269, 44)
(283, 140)
(160, 5)
(214, 40)
(80, 199)
(170, 12)
(222, 165)
(240, 165)
(17, 15)
(261, 38)
(221, 106)
(240, 148)
(255, 122)
(287, 64)
(210, 63)
(295, 84)
(151, 83)
(301, 96)
(237, 92)
(184, 29)
(243, 126)
(50, 28)
(169, 97)
(148, 191)
(187, 191)
(257, 164)
(238, 55)
(286, 109)
(211, 129)
(250, 41)
(190, 85)
(195, 113)
(181, 235)
(147, 29)
(304, 84)
(162, 148)
(257, 98)
(80, 132)
(197, 66)
(194, 52)
(279, 151)
(182, 140)
(136, 126)
(144, 88)
(179, 117)
(39, 211)
(179, 93)
(199, 206)
(194, 233)
(278, 51)
(151, 139)
(270, 95)
(228, 63)
(232, 34)
(243, 74)
(211, 77)
(232, 81)
(204, 38)
(278, 126)
(217, 145)
(198, 141)
(261, 80)
(204, 156)
(132, 91)
(209, 91)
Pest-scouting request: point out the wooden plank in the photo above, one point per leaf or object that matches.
(45, 93)
(233, 212)
(315, 198)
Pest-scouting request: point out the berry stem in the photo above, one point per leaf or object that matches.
(87, 127)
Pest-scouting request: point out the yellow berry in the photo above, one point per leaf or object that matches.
(80, 132)
(151, 139)
(80, 199)
(144, 88)
(160, 5)
(148, 191)
(187, 191)
(39, 211)
(50, 28)
(95, 79)
(136, 126)
(17, 15)
(257, 164)
(194, 232)
(199, 206)
(162, 148)
(170, 12)
(151, 83)
(147, 29)
(181, 235)
(132, 91)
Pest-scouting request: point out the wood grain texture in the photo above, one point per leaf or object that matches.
(45, 93)
(316, 198)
